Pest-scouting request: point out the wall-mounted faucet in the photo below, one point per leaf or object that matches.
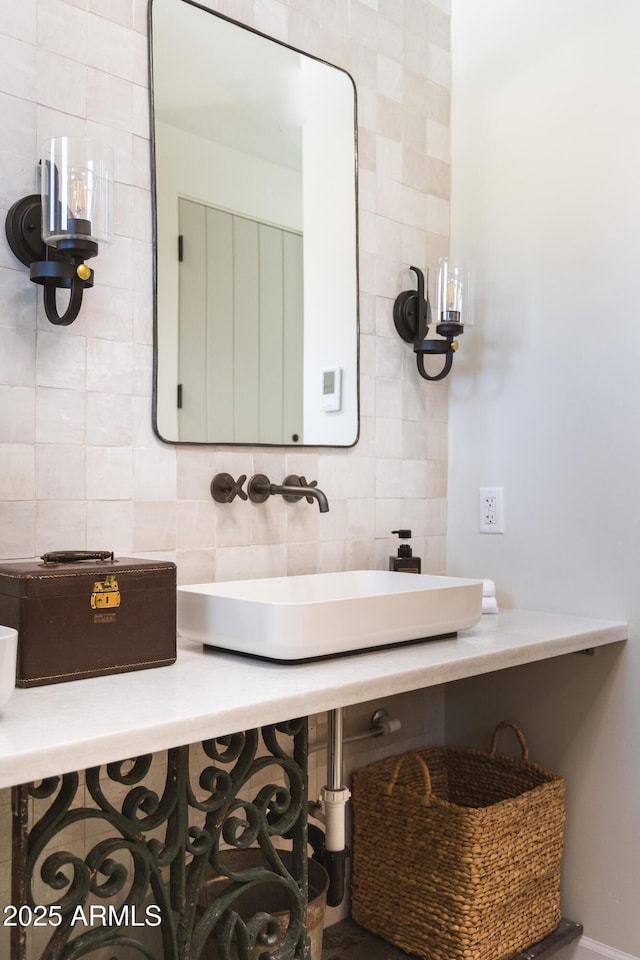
(224, 489)
(293, 489)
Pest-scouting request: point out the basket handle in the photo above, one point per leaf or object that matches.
(425, 773)
(509, 724)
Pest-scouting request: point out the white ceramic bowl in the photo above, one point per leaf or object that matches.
(8, 655)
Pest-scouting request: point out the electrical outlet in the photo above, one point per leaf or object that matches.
(491, 514)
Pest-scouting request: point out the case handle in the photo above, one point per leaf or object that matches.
(75, 556)
(509, 724)
(424, 800)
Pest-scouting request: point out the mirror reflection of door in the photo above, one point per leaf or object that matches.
(246, 126)
(240, 285)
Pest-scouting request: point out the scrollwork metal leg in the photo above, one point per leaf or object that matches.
(157, 841)
(19, 829)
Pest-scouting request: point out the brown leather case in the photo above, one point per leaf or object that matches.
(88, 617)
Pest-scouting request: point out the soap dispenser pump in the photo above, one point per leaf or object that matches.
(405, 560)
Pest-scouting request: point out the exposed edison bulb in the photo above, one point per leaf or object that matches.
(454, 294)
(78, 197)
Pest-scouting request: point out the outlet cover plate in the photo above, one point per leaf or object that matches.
(491, 510)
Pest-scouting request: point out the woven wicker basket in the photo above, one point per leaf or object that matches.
(456, 853)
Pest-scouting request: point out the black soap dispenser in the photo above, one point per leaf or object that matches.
(405, 560)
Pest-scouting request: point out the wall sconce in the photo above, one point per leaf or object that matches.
(54, 232)
(412, 317)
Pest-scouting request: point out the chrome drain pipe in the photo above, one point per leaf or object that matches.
(334, 798)
(335, 764)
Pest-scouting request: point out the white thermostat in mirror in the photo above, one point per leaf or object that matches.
(332, 389)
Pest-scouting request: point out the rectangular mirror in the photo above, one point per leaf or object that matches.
(255, 229)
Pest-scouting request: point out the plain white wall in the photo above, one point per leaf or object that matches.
(545, 399)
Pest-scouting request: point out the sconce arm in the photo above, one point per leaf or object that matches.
(73, 306)
(448, 362)
(54, 274)
(423, 307)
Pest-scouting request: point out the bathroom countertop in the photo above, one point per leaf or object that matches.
(49, 730)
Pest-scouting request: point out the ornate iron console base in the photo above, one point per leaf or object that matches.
(155, 839)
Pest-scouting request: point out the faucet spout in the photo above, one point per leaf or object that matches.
(293, 489)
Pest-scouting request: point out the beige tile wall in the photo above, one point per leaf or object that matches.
(79, 464)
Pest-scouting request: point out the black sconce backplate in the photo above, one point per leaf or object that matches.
(23, 227)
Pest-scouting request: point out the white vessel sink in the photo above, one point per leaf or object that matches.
(325, 614)
(8, 656)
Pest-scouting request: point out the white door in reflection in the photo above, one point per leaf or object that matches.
(240, 355)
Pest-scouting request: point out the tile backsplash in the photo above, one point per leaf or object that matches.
(81, 466)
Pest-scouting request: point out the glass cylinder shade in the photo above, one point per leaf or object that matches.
(451, 292)
(77, 191)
